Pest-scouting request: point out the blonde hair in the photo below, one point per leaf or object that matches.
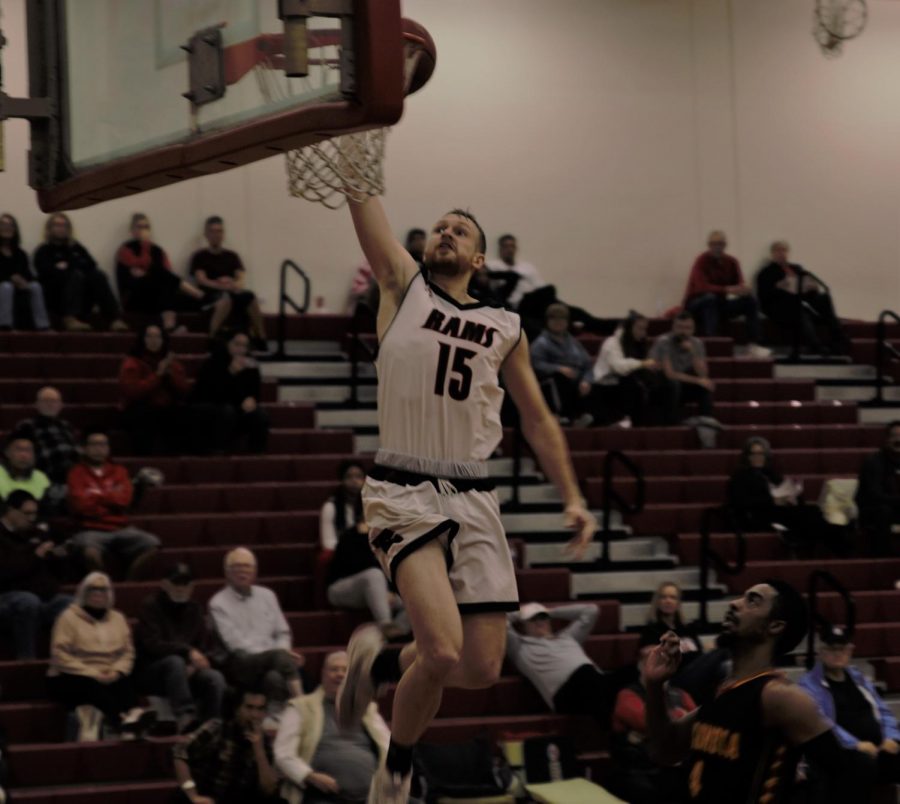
(49, 221)
(653, 613)
(88, 580)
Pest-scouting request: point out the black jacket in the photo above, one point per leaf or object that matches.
(49, 254)
(216, 384)
(750, 497)
(767, 290)
(352, 555)
(165, 628)
(15, 265)
(23, 571)
(879, 481)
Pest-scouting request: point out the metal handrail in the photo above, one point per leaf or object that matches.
(882, 349)
(285, 300)
(710, 556)
(818, 621)
(798, 321)
(611, 496)
(356, 344)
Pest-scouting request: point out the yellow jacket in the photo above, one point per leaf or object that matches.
(83, 646)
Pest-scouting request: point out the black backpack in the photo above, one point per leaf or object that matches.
(461, 770)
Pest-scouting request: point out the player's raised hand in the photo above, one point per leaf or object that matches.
(580, 520)
(663, 661)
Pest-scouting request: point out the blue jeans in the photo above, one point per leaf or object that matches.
(36, 298)
(200, 693)
(27, 614)
(709, 308)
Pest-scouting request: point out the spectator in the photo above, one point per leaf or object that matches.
(716, 290)
(665, 616)
(91, 659)
(229, 761)
(354, 579)
(556, 664)
(415, 244)
(154, 387)
(254, 634)
(100, 493)
(174, 641)
(761, 497)
(777, 285)
(862, 720)
(220, 274)
(17, 280)
(637, 778)
(73, 284)
(227, 393)
(682, 357)
(30, 600)
(521, 287)
(878, 493)
(563, 367)
(320, 762)
(55, 445)
(145, 278)
(18, 468)
(624, 362)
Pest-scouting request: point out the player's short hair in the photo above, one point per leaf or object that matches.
(212, 220)
(464, 213)
(789, 606)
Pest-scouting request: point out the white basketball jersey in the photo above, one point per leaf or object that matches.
(439, 395)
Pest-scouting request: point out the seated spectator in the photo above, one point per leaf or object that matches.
(17, 280)
(863, 721)
(624, 362)
(100, 493)
(682, 357)
(415, 244)
(637, 778)
(878, 493)
(229, 761)
(319, 761)
(716, 290)
(220, 274)
(55, 445)
(665, 616)
(354, 579)
(30, 569)
(73, 284)
(522, 288)
(17, 470)
(226, 395)
(777, 285)
(145, 278)
(154, 388)
(556, 664)
(563, 368)
(255, 637)
(173, 641)
(91, 659)
(761, 497)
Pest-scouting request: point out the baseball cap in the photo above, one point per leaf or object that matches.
(531, 610)
(835, 636)
(180, 574)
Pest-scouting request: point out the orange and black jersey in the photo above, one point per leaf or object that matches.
(734, 756)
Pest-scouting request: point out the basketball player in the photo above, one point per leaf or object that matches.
(745, 744)
(435, 522)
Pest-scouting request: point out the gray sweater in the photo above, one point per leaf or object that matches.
(548, 662)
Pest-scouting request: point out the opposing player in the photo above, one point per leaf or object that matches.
(434, 519)
(745, 745)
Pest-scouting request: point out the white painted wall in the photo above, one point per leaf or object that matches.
(610, 135)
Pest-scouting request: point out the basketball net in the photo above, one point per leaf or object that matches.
(337, 168)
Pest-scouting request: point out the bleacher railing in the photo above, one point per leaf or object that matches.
(711, 558)
(612, 497)
(818, 621)
(362, 323)
(285, 300)
(883, 350)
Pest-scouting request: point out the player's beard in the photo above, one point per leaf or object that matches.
(445, 266)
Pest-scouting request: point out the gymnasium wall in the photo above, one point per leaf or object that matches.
(610, 135)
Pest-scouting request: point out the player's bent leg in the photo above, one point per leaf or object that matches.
(484, 646)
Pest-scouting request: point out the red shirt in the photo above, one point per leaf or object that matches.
(712, 275)
(98, 497)
(139, 382)
(630, 713)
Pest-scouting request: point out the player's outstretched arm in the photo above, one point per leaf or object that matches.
(391, 263)
(543, 433)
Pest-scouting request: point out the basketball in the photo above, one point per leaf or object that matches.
(415, 34)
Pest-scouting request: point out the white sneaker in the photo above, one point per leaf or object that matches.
(389, 788)
(584, 420)
(90, 719)
(757, 352)
(357, 690)
(623, 424)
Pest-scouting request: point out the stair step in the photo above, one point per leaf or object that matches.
(635, 549)
(824, 371)
(633, 581)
